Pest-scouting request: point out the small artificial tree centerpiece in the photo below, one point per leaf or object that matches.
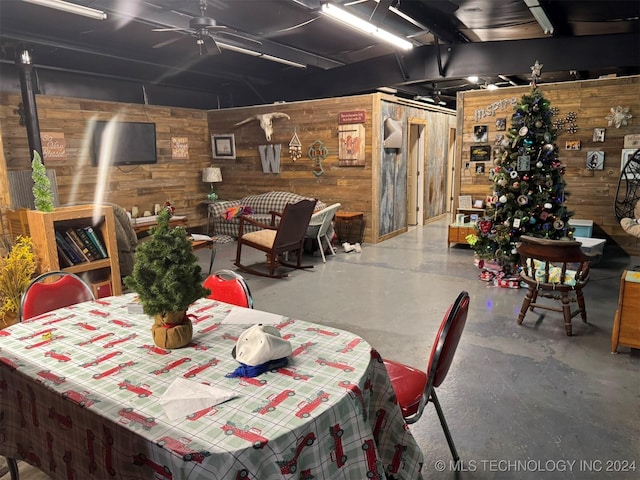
(167, 278)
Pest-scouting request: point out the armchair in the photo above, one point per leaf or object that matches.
(275, 241)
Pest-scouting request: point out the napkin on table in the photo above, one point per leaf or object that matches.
(184, 397)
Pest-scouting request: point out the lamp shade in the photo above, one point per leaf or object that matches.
(211, 175)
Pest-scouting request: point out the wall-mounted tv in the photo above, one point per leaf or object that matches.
(127, 143)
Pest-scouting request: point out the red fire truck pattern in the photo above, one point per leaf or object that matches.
(112, 367)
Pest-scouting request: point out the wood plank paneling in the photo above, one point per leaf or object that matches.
(142, 186)
(592, 191)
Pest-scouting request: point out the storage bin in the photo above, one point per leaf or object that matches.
(582, 228)
(591, 246)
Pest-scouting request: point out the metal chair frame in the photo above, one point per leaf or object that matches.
(54, 300)
(224, 281)
(442, 353)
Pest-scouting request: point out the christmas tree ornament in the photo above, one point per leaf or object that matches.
(558, 224)
(523, 131)
(538, 124)
(522, 200)
(503, 199)
(513, 174)
(539, 164)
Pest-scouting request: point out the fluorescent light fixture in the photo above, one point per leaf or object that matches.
(387, 90)
(253, 53)
(233, 48)
(364, 26)
(492, 86)
(282, 60)
(70, 8)
(539, 14)
(473, 79)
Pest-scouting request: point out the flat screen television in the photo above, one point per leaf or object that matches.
(132, 143)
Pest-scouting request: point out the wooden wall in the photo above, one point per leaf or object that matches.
(376, 188)
(143, 186)
(357, 188)
(311, 121)
(592, 191)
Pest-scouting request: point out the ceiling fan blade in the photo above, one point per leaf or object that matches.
(166, 42)
(169, 29)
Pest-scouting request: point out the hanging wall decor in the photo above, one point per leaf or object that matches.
(595, 160)
(270, 157)
(619, 116)
(180, 148)
(295, 147)
(351, 138)
(318, 152)
(53, 145)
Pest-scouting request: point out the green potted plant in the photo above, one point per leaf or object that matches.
(167, 278)
(42, 195)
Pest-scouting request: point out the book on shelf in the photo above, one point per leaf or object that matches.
(62, 242)
(63, 258)
(77, 245)
(86, 241)
(95, 237)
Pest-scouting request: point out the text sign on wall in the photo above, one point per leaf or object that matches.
(180, 148)
(354, 116)
(53, 146)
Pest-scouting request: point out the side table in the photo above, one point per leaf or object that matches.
(209, 204)
(350, 226)
(626, 325)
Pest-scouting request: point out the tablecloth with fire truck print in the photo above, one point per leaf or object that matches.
(79, 391)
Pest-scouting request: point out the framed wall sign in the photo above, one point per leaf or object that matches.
(480, 153)
(224, 146)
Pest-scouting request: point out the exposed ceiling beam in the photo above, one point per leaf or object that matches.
(462, 60)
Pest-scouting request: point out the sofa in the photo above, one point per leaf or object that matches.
(225, 214)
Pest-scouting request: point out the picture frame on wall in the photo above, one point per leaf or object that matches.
(572, 145)
(627, 153)
(223, 146)
(480, 153)
(595, 160)
(598, 134)
(480, 133)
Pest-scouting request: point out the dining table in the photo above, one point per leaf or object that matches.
(83, 390)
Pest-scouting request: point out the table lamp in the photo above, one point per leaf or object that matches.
(212, 175)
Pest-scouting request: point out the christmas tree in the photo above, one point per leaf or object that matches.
(528, 186)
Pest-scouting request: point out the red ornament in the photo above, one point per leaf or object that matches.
(485, 226)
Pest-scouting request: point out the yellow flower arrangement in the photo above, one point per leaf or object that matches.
(16, 270)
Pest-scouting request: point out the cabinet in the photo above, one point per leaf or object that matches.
(42, 226)
(626, 325)
(457, 232)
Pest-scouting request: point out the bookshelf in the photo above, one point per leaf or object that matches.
(43, 226)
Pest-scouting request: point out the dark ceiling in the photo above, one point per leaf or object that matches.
(497, 40)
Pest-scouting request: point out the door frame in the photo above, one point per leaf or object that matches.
(416, 166)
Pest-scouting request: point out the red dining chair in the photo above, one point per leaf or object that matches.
(229, 287)
(53, 290)
(415, 388)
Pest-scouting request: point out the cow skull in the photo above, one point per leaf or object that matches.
(266, 122)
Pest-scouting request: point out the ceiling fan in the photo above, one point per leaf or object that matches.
(201, 27)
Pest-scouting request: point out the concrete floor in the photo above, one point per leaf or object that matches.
(522, 402)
